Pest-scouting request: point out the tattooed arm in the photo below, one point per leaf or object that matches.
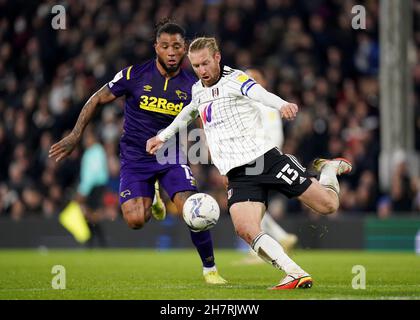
(65, 146)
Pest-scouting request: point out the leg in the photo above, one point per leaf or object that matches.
(246, 218)
(320, 199)
(270, 226)
(179, 183)
(98, 233)
(137, 211)
(179, 199)
(94, 214)
(290, 177)
(274, 230)
(158, 206)
(136, 197)
(201, 240)
(203, 243)
(246, 198)
(322, 196)
(91, 225)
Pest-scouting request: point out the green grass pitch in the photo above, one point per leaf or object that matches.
(176, 274)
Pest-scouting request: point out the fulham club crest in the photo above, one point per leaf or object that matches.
(230, 193)
(215, 92)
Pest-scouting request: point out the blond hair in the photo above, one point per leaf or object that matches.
(203, 42)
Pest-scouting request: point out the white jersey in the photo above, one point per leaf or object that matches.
(272, 123)
(232, 121)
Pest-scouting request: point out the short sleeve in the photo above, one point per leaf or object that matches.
(240, 83)
(120, 84)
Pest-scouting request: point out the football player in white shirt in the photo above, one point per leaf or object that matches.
(227, 101)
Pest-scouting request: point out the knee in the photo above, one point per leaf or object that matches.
(136, 218)
(135, 222)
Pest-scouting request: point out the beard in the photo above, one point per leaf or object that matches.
(168, 69)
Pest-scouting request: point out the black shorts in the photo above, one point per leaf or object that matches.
(280, 172)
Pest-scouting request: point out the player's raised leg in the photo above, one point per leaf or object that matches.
(180, 184)
(246, 218)
(322, 196)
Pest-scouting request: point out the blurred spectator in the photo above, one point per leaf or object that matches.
(417, 197)
(402, 188)
(384, 207)
(94, 176)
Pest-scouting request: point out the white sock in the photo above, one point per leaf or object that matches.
(271, 251)
(270, 226)
(328, 178)
(207, 270)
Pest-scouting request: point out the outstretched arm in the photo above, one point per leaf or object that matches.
(182, 120)
(258, 93)
(65, 146)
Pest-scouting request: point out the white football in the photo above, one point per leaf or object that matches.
(201, 212)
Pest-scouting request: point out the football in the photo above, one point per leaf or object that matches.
(201, 212)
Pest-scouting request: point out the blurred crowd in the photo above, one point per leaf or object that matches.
(307, 50)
